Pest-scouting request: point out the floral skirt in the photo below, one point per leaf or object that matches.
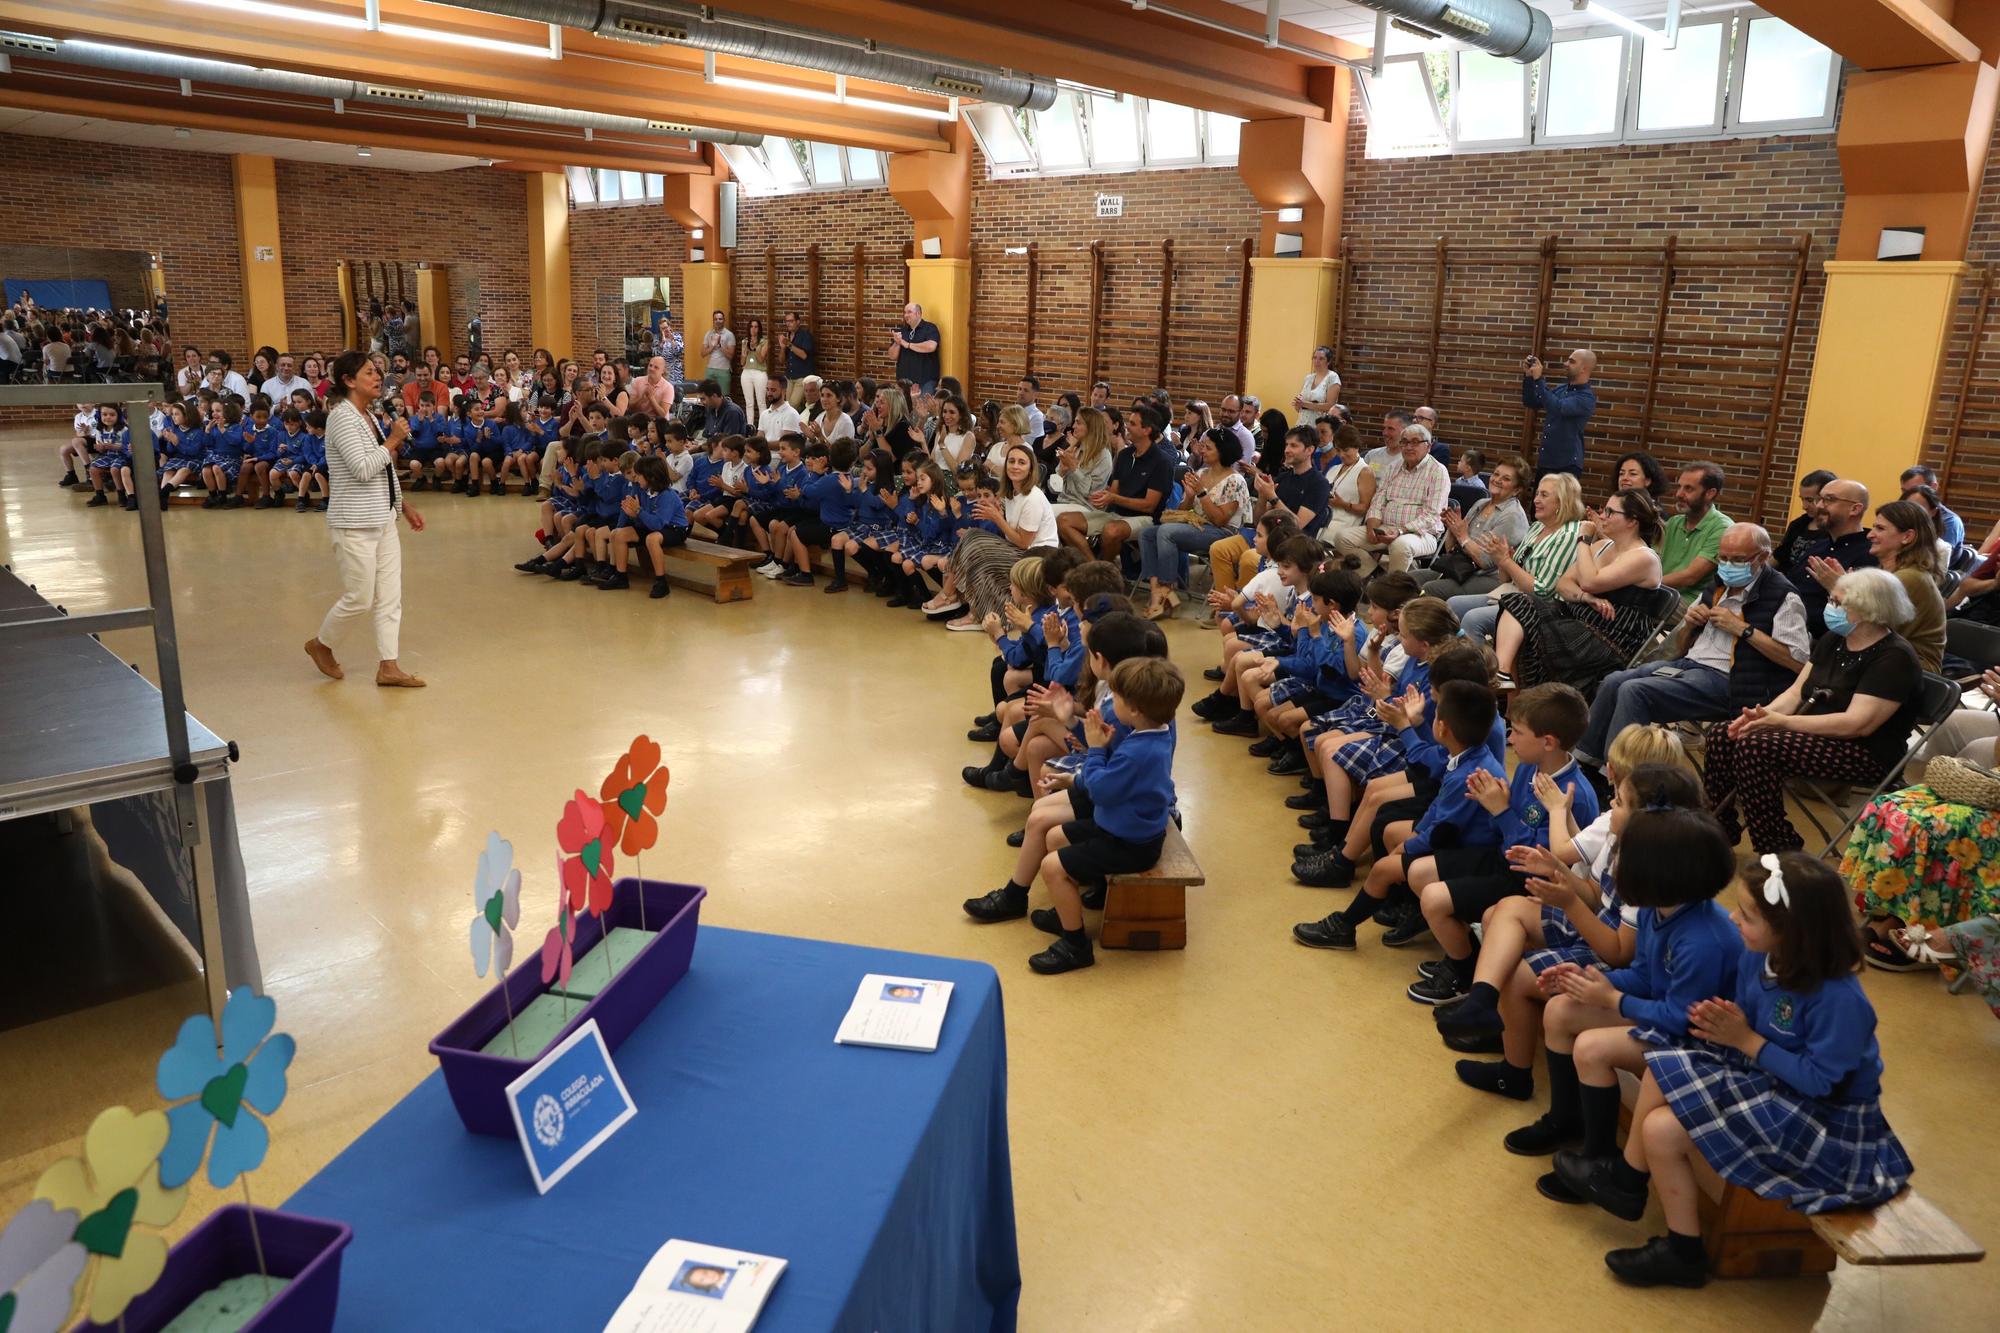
(1924, 861)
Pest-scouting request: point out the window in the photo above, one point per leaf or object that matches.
(826, 168)
(1225, 137)
(787, 166)
(582, 185)
(1785, 78)
(1085, 132)
(863, 167)
(1114, 131)
(1680, 88)
(747, 165)
(1171, 134)
(783, 161)
(999, 135)
(1403, 119)
(1489, 100)
(1059, 135)
(1583, 92)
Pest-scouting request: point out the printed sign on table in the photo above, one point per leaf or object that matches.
(568, 1103)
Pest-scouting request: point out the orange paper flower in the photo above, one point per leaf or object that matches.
(633, 797)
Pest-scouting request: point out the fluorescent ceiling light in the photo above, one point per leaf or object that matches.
(467, 39)
(822, 95)
(356, 22)
(929, 113)
(1631, 25)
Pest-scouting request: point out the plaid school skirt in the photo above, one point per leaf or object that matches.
(911, 549)
(1287, 688)
(105, 462)
(231, 464)
(1758, 1133)
(1561, 942)
(882, 534)
(1265, 641)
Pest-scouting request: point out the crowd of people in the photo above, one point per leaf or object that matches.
(40, 344)
(1391, 621)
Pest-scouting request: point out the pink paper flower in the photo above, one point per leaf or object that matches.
(586, 876)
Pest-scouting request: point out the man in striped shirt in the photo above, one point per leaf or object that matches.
(1405, 519)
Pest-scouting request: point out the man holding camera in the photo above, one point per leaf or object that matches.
(1566, 410)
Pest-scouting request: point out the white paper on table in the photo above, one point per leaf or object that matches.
(691, 1288)
(901, 1013)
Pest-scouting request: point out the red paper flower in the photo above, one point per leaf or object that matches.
(586, 876)
(633, 796)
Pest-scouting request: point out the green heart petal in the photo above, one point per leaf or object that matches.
(592, 854)
(104, 1231)
(6, 1311)
(496, 909)
(632, 800)
(222, 1096)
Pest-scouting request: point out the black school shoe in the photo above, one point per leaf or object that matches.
(1239, 723)
(1470, 1018)
(1542, 1138)
(1333, 932)
(1550, 1186)
(1213, 673)
(1009, 778)
(1436, 989)
(1017, 837)
(96, 501)
(1592, 1178)
(1267, 747)
(975, 775)
(534, 566)
(1324, 870)
(1655, 1264)
(1484, 1044)
(1408, 927)
(614, 582)
(1062, 956)
(68, 479)
(1498, 1077)
(1308, 800)
(1291, 759)
(986, 732)
(660, 587)
(1321, 842)
(837, 585)
(570, 572)
(1214, 706)
(1045, 920)
(999, 905)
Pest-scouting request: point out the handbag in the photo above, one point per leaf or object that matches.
(1457, 566)
(1959, 782)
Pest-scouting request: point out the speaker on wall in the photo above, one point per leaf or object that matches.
(726, 221)
(1900, 243)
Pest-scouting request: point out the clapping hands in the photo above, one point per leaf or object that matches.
(1489, 791)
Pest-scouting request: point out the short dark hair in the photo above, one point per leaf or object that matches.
(1092, 578)
(653, 473)
(1306, 435)
(1299, 553)
(1645, 514)
(1153, 686)
(1341, 587)
(1713, 478)
(1279, 527)
(1467, 710)
(1122, 635)
(1389, 591)
(1033, 382)
(1817, 939)
(1057, 568)
(1672, 856)
(709, 387)
(1228, 448)
(1553, 709)
(1818, 477)
(1923, 473)
(1462, 659)
(817, 449)
(1401, 414)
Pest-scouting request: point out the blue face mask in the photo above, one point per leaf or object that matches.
(1837, 620)
(1735, 573)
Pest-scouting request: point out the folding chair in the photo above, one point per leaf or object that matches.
(1666, 611)
(1976, 643)
(1937, 699)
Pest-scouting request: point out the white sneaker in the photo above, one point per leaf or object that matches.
(770, 569)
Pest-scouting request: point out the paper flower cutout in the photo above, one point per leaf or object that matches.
(557, 956)
(39, 1266)
(496, 906)
(633, 797)
(115, 1190)
(586, 876)
(250, 1073)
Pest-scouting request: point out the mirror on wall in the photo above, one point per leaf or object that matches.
(645, 303)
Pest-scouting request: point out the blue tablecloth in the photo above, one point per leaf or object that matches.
(883, 1177)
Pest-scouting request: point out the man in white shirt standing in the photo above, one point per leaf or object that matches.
(778, 416)
(280, 387)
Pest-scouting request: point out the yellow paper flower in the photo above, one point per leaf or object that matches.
(115, 1188)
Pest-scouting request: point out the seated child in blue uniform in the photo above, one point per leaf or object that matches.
(824, 501)
(1296, 559)
(288, 457)
(454, 430)
(111, 457)
(874, 490)
(652, 516)
(312, 472)
(425, 447)
(1318, 673)
(521, 451)
(1046, 738)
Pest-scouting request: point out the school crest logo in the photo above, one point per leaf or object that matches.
(1784, 1013)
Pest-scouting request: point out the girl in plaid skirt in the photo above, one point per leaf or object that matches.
(1779, 1089)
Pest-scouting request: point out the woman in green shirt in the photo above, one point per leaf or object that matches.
(756, 347)
(1904, 542)
(1533, 566)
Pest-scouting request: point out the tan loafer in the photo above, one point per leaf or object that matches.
(322, 657)
(401, 680)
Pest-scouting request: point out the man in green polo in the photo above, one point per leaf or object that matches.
(1688, 548)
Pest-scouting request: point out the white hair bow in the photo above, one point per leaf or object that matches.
(1775, 891)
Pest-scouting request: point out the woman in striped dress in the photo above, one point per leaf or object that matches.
(1027, 526)
(1542, 557)
(1602, 608)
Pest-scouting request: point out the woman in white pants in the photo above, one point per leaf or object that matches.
(361, 473)
(756, 351)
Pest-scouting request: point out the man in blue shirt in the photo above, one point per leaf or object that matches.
(1949, 525)
(723, 416)
(798, 348)
(1566, 410)
(916, 347)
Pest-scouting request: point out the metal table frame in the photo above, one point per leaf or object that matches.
(183, 774)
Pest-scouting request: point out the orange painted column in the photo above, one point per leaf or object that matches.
(935, 189)
(548, 262)
(256, 188)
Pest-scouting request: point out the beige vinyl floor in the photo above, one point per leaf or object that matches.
(1245, 1135)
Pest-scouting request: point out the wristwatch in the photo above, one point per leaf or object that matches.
(1747, 634)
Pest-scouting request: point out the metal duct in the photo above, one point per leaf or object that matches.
(659, 22)
(161, 64)
(1512, 29)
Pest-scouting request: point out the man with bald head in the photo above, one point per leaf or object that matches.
(1842, 545)
(1566, 409)
(1742, 645)
(653, 393)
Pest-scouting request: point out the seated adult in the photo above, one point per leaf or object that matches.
(1846, 718)
(1083, 468)
(1404, 519)
(1299, 491)
(1932, 506)
(982, 561)
(1542, 556)
(1744, 641)
(420, 386)
(1640, 471)
(1350, 483)
(721, 415)
(1842, 545)
(653, 393)
(1803, 531)
(1216, 505)
(1142, 476)
(1465, 566)
(1903, 542)
(1601, 611)
(1951, 528)
(1687, 547)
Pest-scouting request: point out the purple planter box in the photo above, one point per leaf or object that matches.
(304, 1250)
(478, 1081)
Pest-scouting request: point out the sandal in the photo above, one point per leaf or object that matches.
(1915, 942)
(1886, 957)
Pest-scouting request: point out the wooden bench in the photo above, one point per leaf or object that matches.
(1149, 910)
(1750, 1236)
(728, 569)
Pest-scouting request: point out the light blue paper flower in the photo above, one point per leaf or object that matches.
(250, 1074)
(496, 906)
(39, 1268)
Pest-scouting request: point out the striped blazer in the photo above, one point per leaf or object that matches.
(360, 473)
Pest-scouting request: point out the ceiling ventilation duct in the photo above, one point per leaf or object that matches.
(705, 28)
(1512, 29)
(162, 64)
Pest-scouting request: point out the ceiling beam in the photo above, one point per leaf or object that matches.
(616, 78)
(1879, 34)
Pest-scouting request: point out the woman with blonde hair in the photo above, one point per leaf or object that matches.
(1533, 566)
(1012, 429)
(895, 431)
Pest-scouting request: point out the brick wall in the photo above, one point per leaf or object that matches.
(606, 246)
(1972, 481)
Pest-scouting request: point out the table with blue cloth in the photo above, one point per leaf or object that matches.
(882, 1177)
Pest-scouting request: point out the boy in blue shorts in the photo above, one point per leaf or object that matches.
(655, 518)
(425, 447)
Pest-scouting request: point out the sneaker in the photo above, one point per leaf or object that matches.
(660, 587)
(1268, 746)
(1307, 800)
(570, 573)
(1062, 956)
(1291, 759)
(1236, 724)
(1410, 926)
(1316, 847)
(985, 733)
(1437, 989)
(1325, 870)
(1594, 1179)
(798, 578)
(1542, 1138)
(1333, 932)
(770, 569)
(838, 585)
(999, 905)
(1656, 1264)
(1497, 1077)
(1045, 920)
(614, 581)
(1430, 967)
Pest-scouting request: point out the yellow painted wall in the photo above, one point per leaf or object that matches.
(256, 189)
(434, 310)
(704, 290)
(943, 287)
(1883, 332)
(548, 262)
(1294, 307)
(343, 276)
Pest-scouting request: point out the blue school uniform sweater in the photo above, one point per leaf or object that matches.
(484, 435)
(793, 478)
(225, 441)
(452, 433)
(1030, 650)
(603, 493)
(289, 447)
(264, 443)
(424, 431)
(934, 526)
(520, 440)
(1676, 961)
(1130, 783)
(180, 446)
(1462, 820)
(315, 451)
(1525, 822)
(871, 508)
(1820, 1042)
(825, 493)
(657, 513)
(1064, 666)
(1421, 750)
(766, 486)
(546, 432)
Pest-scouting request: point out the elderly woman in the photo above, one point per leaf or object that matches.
(1600, 612)
(1534, 564)
(1217, 505)
(1846, 718)
(1466, 567)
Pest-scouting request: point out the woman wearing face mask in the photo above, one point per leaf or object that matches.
(1846, 718)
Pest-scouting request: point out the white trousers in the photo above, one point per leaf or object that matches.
(1400, 553)
(371, 580)
(753, 394)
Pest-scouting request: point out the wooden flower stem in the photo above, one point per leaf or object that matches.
(256, 1241)
(639, 872)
